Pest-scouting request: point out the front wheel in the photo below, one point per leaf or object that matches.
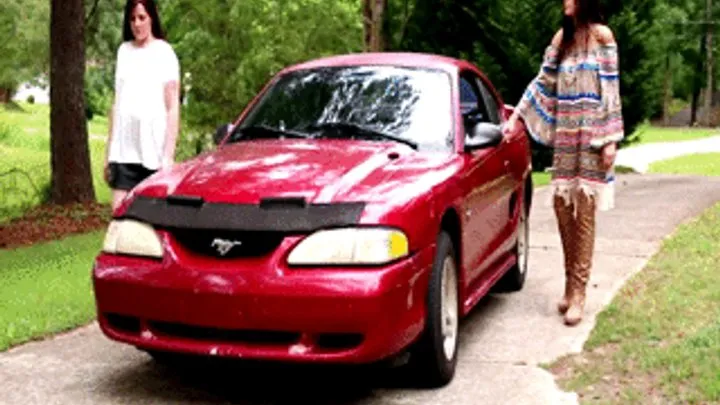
(435, 355)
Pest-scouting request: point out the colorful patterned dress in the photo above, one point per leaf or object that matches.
(575, 108)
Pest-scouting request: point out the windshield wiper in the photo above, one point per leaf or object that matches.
(266, 129)
(362, 131)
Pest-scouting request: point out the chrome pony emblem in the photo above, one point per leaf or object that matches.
(223, 246)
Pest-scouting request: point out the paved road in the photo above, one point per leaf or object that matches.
(502, 342)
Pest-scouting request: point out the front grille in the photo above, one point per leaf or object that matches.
(338, 341)
(228, 244)
(199, 333)
(127, 324)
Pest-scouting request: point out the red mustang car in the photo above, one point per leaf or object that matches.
(356, 210)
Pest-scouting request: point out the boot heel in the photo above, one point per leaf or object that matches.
(574, 314)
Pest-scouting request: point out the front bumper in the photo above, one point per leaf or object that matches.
(260, 308)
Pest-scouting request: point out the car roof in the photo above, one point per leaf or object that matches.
(404, 59)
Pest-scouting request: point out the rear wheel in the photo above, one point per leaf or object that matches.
(435, 355)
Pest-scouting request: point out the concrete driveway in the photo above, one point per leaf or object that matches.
(502, 342)
(639, 158)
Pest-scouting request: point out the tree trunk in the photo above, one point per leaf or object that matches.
(697, 83)
(367, 22)
(709, 71)
(70, 156)
(373, 19)
(668, 93)
(5, 95)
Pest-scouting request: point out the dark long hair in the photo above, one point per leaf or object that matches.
(587, 12)
(151, 9)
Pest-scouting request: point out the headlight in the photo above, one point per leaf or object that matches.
(132, 238)
(350, 246)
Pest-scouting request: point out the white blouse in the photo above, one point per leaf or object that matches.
(140, 117)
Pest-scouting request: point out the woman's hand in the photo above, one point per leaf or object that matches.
(510, 126)
(608, 155)
(167, 162)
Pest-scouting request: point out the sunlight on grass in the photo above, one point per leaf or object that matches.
(649, 134)
(658, 340)
(25, 145)
(46, 288)
(704, 164)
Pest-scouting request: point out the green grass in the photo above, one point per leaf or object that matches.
(541, 179)
(649, 134)
(704, 164)
(20, 190)
(34, 120)
(46, 288)
(659, 340)
(25, 145)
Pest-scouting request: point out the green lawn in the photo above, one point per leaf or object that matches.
(25, 145)
(705, 164)
(659, 340)
(650, 134)
(540, 179)
(46, 288)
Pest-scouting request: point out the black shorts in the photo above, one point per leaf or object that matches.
(125, 176)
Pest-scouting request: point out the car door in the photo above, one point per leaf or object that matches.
(512, 153)
(484, 213)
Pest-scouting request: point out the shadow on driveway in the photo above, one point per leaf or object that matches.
(189, 379)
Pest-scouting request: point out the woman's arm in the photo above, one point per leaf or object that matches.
(611, 129)
(171, 92)
(172, 105)
(537, 104)
(108, 141)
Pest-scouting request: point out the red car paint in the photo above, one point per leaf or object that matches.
(262, 307)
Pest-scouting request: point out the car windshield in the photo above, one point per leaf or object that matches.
(410, 106)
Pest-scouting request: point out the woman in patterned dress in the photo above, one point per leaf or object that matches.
(573, 105)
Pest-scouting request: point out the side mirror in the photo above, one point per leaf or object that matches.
(220, 133)
(483, 135)
(472, 117)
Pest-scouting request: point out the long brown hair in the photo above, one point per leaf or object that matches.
(151, 9)
(587, 12)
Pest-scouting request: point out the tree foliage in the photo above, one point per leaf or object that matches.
(229, 48)
(507, 41)
(24, 44)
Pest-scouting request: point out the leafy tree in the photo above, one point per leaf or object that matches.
(103, 35)
(230, 48)
(507, 40)
(24, 46)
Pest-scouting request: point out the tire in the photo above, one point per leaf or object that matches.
(434, 357)
(514, 279)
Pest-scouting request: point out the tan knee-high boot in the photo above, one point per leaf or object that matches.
(584, 247)
(566, 226)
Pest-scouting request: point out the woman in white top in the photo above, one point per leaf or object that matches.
(146, 110)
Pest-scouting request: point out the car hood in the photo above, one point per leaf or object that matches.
(321, 171)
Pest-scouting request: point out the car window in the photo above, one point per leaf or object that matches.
(472, 103)
(413, 104)
(490, 102)
(469, 97)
